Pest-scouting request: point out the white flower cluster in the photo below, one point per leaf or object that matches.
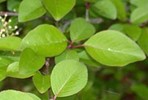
(6, 29)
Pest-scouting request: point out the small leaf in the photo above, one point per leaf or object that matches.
(139, 15)
(133, 31)
(41, 82)
(68, 77)
(121, 9)
(143, 40)
(141, 90)
(45, 40)
(85, 58)
(4, 62)
(139, 3)
(10, 43)
(77, 34)
(30, 9)
(105, 8)
(30, 62)
(59, 8)
(17, 95)
(68, 54)
(113, 48)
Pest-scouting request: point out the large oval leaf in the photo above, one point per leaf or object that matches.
(45, 40)
(68, 77)
(10, 43)
(77, 34)
(17, 95)
(30, 9)
(113, 48)
(59, 8)
(41, 82)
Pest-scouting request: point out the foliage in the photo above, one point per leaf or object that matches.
(73, 49)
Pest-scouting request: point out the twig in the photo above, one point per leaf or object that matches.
(2, 13)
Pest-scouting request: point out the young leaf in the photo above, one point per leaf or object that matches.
(30, 62)
(68, 54)
(45, 40)
(17, 95)
(41, 82)
(143, 40)
(10, 43)
(59, 8)
(68, 77)
(139, 15)
(30, 9)
(105, 8)
(80, 29)
(141, 90)
(113, 48)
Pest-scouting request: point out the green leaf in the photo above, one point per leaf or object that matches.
(105, 8)
(141, 90)
(113, 48)
(85, 58)
(41, 82)
(68, 77)
(30, 9)
(68, 54)
(4, 62)
(2, 1)
(139, 3)
(59, 8)
(44, 40)
(13, 5)
(30, 62)
(17, 95)
(121, 10)
(77, 34)
(143, 40)
(10, 43)
(139, 15)
(133, 31)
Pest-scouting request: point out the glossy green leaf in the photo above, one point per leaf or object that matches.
(113, 48)
(121, 10)
(30, 62)
(10, 43)
(143, 40)
(17, 95)
(68, 54)
(45, 40)
(68, 77)
(77, 34)
(139, 15)
(105, 8)
(139, 2)
(41, 82)
(141, 90)
(30, 9)
(59, 8)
